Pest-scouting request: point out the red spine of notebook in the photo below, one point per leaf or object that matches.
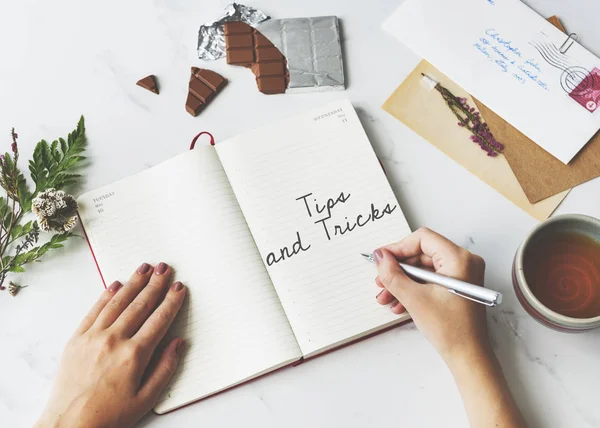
(91, 250)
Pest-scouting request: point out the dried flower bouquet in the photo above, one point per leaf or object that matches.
(51, 171)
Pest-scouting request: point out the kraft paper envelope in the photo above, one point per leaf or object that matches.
(513, 61)
(540, 174)
(422, 109)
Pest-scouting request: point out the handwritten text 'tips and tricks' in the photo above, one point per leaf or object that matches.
(322, 214)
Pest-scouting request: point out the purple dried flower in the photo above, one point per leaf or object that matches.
(471, 119)
(13, 146)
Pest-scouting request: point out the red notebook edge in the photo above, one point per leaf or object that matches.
(91, 249)
(302, 360)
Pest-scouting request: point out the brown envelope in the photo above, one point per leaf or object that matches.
(540, 174)
(423, 110)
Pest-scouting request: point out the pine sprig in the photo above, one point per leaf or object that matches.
(52, 163)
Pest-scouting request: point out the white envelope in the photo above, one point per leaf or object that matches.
(512, 60)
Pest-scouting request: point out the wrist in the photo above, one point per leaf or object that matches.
(470, 355)
(47, 421)
(54, 418)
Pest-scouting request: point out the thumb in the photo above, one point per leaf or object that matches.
(393, 277)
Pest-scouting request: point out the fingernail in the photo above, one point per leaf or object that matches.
(379, 294)
(143, 268)
(178, 286)
(115, 286)
(180, 347)
(161, 268)
(378, 256)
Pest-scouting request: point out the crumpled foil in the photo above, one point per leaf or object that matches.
(211, 38)
(313, 49)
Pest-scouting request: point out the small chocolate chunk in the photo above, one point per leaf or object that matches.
(200, 90)
(269, 69)
(240, 40)
(236, 27)
(213, 80)
(247, 47)
(272, 84)
(193, 105)
(204, 87)
(240, 57)
(149, 83)
(265, 54)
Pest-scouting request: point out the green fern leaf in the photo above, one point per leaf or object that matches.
(52, 163)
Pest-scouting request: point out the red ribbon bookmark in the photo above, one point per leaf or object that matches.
(212, 139)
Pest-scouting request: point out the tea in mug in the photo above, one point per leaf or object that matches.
(562, 270)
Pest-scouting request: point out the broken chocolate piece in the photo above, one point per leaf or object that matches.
(204, 86)
(247, 47)
(149, 82)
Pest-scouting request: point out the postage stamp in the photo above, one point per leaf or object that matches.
(587, 91)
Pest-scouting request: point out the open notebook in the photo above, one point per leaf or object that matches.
(266, 230)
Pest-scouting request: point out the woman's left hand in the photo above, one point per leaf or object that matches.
(106, 378)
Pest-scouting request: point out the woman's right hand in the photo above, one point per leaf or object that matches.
(454, 325)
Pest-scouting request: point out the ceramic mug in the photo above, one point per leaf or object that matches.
(580, 224)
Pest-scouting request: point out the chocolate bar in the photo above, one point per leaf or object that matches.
(313, 50)
(247, 47)
(211, 39)
(204, 86)
(149, 83)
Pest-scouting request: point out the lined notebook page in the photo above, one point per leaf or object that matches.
(280, 174)
(183, 212)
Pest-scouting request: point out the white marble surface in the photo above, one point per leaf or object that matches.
(62, 58)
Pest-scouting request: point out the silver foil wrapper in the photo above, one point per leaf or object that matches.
(313, 49)
(211, 39)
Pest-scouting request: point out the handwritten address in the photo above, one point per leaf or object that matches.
(510, 59)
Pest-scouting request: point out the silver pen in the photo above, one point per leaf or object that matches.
(469, 291)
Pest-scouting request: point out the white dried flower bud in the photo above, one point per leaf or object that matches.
(55, 210)
(13, 289)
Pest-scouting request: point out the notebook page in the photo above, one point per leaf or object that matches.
(280, 174)
(183, 212)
